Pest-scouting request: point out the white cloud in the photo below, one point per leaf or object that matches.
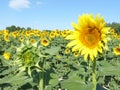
(19, 4)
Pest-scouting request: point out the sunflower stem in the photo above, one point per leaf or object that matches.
(41, 76)
(41, 87)
(94, 75)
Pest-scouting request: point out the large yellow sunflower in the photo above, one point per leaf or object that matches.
(88, 36)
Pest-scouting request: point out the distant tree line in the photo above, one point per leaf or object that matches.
(13, 28)
(113, 25)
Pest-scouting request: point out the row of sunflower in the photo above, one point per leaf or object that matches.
(84, 58)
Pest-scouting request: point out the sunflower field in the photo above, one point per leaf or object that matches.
(85, 58)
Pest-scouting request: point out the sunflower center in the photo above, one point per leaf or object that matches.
(90, 38)
(45, 41)
(118, 49)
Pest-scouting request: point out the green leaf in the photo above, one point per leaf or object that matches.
(52, 50)
(54, 82)
(9, 70)
(108, 69)
(16, 81)
(49, 87)
(54, 79)
(76, 83)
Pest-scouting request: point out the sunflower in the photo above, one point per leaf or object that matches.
(15, 34)
(6, 37)
(57, 32)
(116, 50)
(32, 41)
(67, 50)
(27, 33)
(21, 39)
(5, 32)
(64, 33)
(75, 54)
(52, 34)
(112, 31)
(45, 42)
(6, 55)
(89, 36)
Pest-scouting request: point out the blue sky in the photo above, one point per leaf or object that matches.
(52, 14)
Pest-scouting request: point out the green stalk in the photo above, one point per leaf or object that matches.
(94, 75)
(41, 82)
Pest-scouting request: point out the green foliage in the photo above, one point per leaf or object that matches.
(29, 64)
(10, 78)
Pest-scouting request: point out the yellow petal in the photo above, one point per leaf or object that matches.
(75, 26)
(76, 47)
(72, 43)
(95, 53)
(69, 37)
(91, 57)
(86, 56)
(105, 30)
